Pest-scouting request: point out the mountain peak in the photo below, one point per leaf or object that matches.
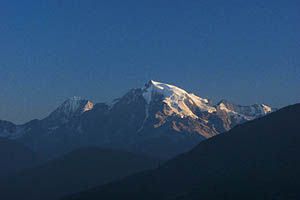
(185, 104)
(72, 107)
(154, 84)
(76, 104)
(245, 112)
(177, 99)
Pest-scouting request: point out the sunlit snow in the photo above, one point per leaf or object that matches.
(176, 99)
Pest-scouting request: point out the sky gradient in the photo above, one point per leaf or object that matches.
(243, 51)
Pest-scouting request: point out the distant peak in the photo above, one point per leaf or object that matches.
(223, 101)
(163, 87)
(154, 82)
(70, 108)
(74, 98)
(75, 104)
(150, 83)
(176, 98)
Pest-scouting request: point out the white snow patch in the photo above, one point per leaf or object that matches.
(72, 105)
(88, 106)
(176, 98)
(238, 116)
(247, 112)
(266, 108)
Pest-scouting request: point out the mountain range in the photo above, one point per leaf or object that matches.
(155, 142)
(159, 120)
(255, 160)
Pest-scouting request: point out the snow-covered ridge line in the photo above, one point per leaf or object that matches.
(179, 101)
(246, 112)
(73, 104)
(70, 108)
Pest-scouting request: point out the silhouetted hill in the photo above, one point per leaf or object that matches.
(256, 160)
(15, 156)
(75, 171)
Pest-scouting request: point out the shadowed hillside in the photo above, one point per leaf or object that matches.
(73, 172)
(15, 156)
(256, 160)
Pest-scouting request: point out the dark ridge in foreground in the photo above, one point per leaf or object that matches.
(256, 160)
(76, 171)
(15, 156)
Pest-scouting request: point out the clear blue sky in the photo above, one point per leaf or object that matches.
(244, 51)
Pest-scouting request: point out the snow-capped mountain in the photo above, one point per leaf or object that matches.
(184, 104)
(158, 119)
(72, 107)
(244, 112)
(177, 99)
(197, 114)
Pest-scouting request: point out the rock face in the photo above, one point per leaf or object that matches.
(159, 119)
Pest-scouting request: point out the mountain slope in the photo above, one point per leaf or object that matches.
(7, 129)
(67, 111)
(75, 171)
(71, 108)
(15, 156)
(177, 99)
(159, 119)
(256, 160)
(37, 134)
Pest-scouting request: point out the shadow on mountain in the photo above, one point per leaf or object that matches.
(256, 160)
